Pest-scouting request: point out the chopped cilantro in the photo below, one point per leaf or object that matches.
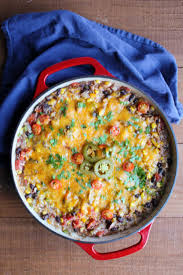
(133, 124)
(74, 150)
(123, 200)
(64, 108)
(42, 128)
(84, 134)
(148, 129)
(61, 131)
(81, 105)
(53, 142)
(83, 126)
(82, 186)
(103, 197)
(51, 127)
(118, 169)
(56, 162)
(80, 192)
(109, 116)
(79, 174)
(72, 123)
(102, 139)
(135, 119)
(63, 176)
(69, 188)
(31, 135)
(124, 102)
(53, 177)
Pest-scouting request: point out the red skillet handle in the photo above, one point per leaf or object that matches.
(89, 248)
(99, 70)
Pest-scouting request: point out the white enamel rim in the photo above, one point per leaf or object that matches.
(131, 230)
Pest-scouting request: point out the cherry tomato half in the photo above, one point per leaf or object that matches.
(19, 164)
(96, 184)
(36, 129)
(31, 119)
(91, 224)
(100, 233)
(128, 166)
(76, 224)
(143, 107)
(102, 146)
(75, 85)
(158, 177)
(77, 158)
(55, 184)
(44, 119)
(114, 130)
(107, 214)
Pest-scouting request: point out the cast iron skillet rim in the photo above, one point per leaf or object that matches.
(164, 117)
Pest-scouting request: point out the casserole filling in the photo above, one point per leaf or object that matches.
(93, 158)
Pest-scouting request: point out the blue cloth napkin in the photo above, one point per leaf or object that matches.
(38, 40)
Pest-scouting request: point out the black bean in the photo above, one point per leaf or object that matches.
(159, 164)
(132, 96)
(27, 133)
(169, 161)
(18, 150)
(28, 195)
(120, 219)
(106, 93)
(135, 100)
(148, 205)
(57, 218)
(34, 195)
(137, 195)
(154, 202)
(163, 173)
(67, 127)
(129, 218)
(138, 213)
(153, 178)
(114, 228)
(44, 216)
(123, 92)
(46, 108)
(95, 114)
(108, 224)
(32, 186)
(160, 170)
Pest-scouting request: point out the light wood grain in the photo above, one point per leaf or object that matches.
(28, 248)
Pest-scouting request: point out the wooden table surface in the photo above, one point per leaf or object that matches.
(28, 248)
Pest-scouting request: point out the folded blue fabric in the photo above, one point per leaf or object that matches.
(38, 40)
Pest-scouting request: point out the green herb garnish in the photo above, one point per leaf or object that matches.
(53, 142)
(81, 105)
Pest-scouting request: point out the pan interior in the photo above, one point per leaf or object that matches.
(171, 176)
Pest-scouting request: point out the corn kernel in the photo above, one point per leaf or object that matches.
(155, 143)
(96, 209)
(145, 152)
(132, 109)
(48, 221)
(62, 91)
(77, 91)
(148, 176)
(52, 101)
(38, 150)
(152, 108)
(61, 220)
(96, 91)
(38, 186)
(132, 204)
(44, 212)
(83, 220)
(89, 100)
(29, 200)
(155, 134)
(148, 198)
(142, 195)
(92, 95)
(28, 191)
(97, 81)
(101, 112)
(19, 172)
(153, 125)
(106, 82)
